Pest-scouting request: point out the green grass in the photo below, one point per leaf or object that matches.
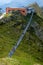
(27, 52)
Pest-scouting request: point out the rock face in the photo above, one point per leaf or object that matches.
(38, 30)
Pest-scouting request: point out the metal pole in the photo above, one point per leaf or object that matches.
(21, 37)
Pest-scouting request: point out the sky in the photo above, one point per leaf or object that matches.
(21, 2)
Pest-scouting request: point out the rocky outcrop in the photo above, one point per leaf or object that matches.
(38, 30)
(37, 9)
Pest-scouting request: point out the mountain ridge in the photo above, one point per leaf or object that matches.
(37, 8)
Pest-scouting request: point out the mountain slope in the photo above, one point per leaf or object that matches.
(30, 51)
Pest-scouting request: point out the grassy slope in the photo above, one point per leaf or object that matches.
(28, 49)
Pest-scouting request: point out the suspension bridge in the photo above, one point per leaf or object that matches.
(12, 51)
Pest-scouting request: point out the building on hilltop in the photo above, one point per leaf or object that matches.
(23, 11)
